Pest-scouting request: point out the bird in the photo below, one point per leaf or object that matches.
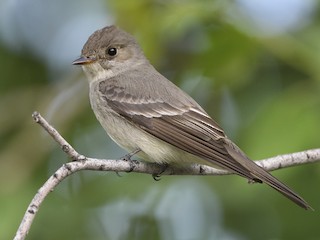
(148, 115)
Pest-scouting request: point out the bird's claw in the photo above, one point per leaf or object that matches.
(157, 176)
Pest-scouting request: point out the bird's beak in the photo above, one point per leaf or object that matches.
(83, 61)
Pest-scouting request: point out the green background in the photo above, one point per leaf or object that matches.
(261, 85)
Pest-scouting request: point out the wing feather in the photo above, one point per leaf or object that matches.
(187, 128)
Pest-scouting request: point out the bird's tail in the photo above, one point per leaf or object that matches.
(273, 182)
(259, 173)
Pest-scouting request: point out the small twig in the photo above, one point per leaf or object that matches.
(66, 147)
(81, 162)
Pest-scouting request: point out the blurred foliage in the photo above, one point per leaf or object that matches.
(264, 90)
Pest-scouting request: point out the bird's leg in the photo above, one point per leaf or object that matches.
(128, 157)
(157, 176)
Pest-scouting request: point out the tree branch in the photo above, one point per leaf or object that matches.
(80, 162)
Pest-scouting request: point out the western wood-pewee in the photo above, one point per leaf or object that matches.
(144, 112)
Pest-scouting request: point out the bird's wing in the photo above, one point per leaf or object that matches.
(184, 126)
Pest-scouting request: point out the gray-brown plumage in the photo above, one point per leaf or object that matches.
(141, 110)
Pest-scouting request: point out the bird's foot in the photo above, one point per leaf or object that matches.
(128, 157)
(157, 176)
(254, 180)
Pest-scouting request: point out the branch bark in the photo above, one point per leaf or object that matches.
(80, 162)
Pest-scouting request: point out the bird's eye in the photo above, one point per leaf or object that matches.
(111, 51)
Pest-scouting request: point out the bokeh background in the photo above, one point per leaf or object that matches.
(253, 65)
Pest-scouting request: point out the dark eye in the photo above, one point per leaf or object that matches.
(111, 51)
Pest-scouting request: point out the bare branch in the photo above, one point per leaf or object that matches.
(81, 162)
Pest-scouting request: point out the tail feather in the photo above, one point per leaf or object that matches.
(259, 173)
(273, 182)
